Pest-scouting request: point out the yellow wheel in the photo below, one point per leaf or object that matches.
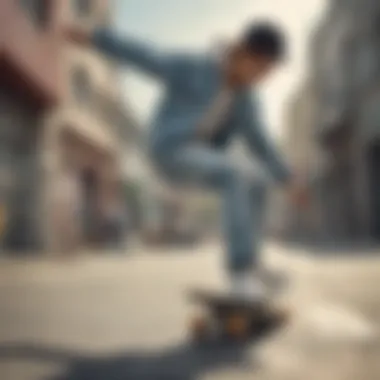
(237, 326)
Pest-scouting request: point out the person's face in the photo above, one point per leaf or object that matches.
(246, 69)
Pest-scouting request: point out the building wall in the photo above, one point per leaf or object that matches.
(56, 125)
(29, 52)
(346, 76)
(83, 133)
(344, 67)
(306, 158)
(300, 146)
(30, 84)
(19, 128)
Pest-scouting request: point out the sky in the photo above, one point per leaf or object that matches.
(197, 25)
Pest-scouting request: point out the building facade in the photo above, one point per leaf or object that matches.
(30, 85)
(71, 118)
(344, 76)
(84, 139)
(305, 156)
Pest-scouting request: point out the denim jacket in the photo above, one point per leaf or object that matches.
(191, 83)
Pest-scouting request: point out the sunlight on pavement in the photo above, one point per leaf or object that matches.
(332, 322)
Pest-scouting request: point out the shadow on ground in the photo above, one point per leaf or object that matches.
(184, 362)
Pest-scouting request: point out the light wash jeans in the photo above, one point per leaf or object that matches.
(243, 195)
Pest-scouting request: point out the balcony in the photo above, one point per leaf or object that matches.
(29, 50)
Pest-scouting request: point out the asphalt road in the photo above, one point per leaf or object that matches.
(122, 317)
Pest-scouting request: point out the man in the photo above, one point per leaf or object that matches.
(208, 101)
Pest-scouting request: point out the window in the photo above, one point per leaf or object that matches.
(81, 85)
(83, 8)
(38, 10)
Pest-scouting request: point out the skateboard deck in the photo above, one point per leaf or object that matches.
(222, 315)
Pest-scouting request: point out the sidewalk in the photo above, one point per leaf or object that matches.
(99, 315)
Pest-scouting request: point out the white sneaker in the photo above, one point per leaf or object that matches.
(247, 286)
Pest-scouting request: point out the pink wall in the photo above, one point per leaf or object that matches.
(33, 53)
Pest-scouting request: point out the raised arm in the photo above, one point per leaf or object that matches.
(259, 142)
(125, 50)
(142, 56)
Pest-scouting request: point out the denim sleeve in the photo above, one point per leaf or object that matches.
(259, 142)
(139, 55)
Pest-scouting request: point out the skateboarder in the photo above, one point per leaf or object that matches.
(207, 101)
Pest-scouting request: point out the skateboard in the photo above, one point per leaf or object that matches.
(222, 316)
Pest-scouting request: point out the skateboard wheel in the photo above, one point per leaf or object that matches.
(199, 328)
(237, 327)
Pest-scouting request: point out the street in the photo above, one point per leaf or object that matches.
(124, 316)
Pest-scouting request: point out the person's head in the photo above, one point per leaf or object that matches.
(260, 49)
